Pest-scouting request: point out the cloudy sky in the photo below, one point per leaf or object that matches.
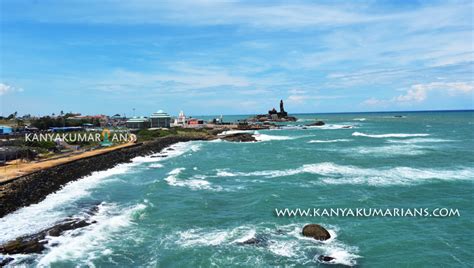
(235, 57)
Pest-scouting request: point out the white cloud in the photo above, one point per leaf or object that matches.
(6, 88)
(419, 92)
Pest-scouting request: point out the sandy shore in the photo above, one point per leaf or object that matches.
(13, 171)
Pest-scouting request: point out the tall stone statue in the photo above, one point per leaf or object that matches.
(282, 109)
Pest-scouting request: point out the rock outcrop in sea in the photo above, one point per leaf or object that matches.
(316, 231)
(274, 116)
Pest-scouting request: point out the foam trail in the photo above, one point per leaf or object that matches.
(328, 141)
(341, 174)
(332, 126)
(265, 137)
(420, 140)
(390, 135)
(194, 184)
(172, 151)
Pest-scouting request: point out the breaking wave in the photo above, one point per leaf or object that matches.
(390, 135)
(333, 126)
(89, 243)
(174, 150)
(193, 184)
(266, 137)
(420, 140)
(328, 141)
(342, 174)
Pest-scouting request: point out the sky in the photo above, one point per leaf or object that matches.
(234, 57)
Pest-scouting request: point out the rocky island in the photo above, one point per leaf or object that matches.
(274, 116)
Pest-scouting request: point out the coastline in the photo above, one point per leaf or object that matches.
(34, 187)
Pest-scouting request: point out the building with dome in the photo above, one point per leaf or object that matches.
(160, 119)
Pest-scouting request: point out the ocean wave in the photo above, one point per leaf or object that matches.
(359, 119)
(390, 135)
(266, 137)
(194, 184)
(387, 151)
(328, 141)
(285, 241)
(172, 151)
(155, 165)
(420, 140)
(342, 174)
(230, 132)
(36, 217)
(333, 126)
(86, 244)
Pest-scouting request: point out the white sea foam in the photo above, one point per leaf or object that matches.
(390, 135)
(230, 132)
(86, 244)
(194, 184)
(386, 151)
(39, 216)
(174, 150)
(420, 140)
(342, 174)
(359, 119)
(328, 141)
(286, 242)
(266, 137)
(333, 126)
(156, 165)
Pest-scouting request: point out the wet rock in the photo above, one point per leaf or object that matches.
(240, 137)
(323, 258)
(36, 243)
(5, 261)
(316, 231)
(259, 240)
(317, 123)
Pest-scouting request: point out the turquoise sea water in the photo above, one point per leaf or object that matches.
(193, 207)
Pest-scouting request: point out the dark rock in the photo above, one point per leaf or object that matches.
(259, 240)
(239, 137)
(317, 123)
(316, 231)
(323, 258)
(5, 261)
(36, 243)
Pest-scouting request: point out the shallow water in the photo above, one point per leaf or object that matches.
(195, 206)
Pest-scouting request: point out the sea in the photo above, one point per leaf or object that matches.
(197, 204)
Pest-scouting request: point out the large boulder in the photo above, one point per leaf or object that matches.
(316, 231)
(317, 123)
(239, 137)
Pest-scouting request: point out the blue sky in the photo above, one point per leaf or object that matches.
(234, 57)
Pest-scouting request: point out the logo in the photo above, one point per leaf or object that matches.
(105, 137)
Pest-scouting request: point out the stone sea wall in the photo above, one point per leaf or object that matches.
(33, 188)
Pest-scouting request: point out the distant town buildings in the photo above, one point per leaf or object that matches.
(160, 119)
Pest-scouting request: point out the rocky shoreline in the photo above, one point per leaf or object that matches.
(33, 188)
